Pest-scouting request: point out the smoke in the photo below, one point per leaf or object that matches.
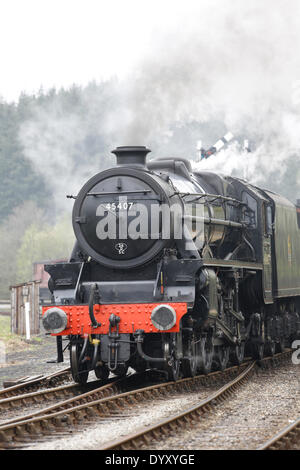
(67, 135)
(236, 62)
(213, 62)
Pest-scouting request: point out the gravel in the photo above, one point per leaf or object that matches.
(258, 411)
(32, 361)
(95, 435)
(261, 408)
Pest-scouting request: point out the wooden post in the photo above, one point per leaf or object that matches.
(25, 320)
(13, 310)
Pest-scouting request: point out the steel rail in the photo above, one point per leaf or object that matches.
(162, 429)
(159, 430)
(19, 401)
(44, 424)
(113, 387)
(46, 381)
(74, 391)
(38, 427)
(285, 439)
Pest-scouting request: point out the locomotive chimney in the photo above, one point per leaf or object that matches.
(131, 156)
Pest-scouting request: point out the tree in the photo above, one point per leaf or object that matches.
(44, 243)
(11, 237)
(19, 180)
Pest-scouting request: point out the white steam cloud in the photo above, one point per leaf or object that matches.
(218, 61)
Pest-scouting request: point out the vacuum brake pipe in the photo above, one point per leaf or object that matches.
(94, 288)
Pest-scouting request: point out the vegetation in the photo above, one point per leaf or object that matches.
(12, 342)
(46, 141)
(5, 333)
(38, 241)
(51, 143)
(19, 180)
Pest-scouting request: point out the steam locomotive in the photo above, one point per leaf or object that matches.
(175, 270)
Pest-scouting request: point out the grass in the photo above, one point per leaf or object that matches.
(5, 333)
(13, 342)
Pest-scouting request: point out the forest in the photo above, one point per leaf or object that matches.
(52, 141)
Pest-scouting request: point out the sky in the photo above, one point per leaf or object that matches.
(178, 62)
(60, 42)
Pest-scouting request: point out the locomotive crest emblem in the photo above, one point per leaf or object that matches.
(121, 248)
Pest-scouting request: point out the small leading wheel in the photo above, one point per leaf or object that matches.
(221, 356)
(79, 371)
(206, 354)
(238, 353)
(101, 372)
(257, 350)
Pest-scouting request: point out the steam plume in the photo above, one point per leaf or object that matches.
(229, 62)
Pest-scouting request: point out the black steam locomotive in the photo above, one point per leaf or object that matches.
(220, 278)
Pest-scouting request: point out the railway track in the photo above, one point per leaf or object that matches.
(286, 439)
(172, 424)
(158, 431)
(78, 395)
(85, 409)
(69, 414)
(45, 381)
(70, 393)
